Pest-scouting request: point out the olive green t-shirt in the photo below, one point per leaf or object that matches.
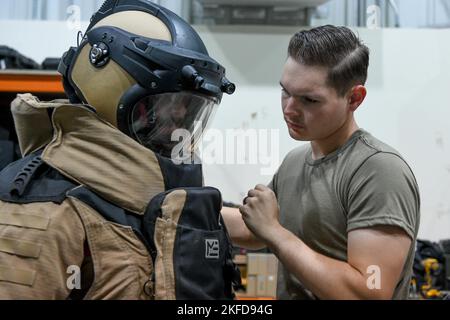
(364, 183)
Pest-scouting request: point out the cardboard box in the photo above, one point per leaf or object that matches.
(252, 264)
(261, 281)
(272, 265)
(251, 286)
(271, 287)
(272, 273)
(262, 274)
(263, 262)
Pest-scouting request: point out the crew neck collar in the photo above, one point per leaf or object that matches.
(335, 153)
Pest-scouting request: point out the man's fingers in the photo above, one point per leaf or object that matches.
(253, 193)
(242, 210)
(247, 200)
(261, 187)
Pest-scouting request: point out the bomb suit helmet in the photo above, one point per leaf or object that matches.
(146, 71)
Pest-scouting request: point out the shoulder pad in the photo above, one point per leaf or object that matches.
(32, 180)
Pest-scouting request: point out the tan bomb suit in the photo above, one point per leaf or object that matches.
(39, 241)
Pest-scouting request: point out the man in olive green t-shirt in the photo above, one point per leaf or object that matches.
(342, 213)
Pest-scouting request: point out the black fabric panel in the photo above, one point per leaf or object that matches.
(180, 176)
(6, 153)
(201, 241)
(109, 211)
(46, 185)
(202, 253)
(202, 209)
(151, 214)
(202, 256)
(199, 277)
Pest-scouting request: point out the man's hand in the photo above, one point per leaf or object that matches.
(260, 212)
(240, 235)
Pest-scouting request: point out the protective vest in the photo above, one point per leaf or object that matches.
(89, 213)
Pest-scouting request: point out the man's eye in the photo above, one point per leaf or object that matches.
(309, 100)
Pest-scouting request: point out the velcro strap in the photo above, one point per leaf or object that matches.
(66, 61)
(24, 220)
(24, 277)
(20, 247)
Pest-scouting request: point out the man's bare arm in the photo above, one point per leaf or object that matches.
(240, 235)
(385, 248)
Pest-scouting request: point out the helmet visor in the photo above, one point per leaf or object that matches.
(161, 122)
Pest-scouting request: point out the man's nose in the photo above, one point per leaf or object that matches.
(291, 107)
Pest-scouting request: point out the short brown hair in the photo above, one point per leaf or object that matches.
(336, 48)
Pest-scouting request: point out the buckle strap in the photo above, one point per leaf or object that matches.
(25, 175)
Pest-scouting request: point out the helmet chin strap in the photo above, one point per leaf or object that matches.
(70, 92)
(63, 69)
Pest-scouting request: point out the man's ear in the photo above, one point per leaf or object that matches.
(356, 97)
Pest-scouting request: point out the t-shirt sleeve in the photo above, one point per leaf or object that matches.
(273, 183)
(383, 191)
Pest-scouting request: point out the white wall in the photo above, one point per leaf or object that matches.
(411, 13)
(63, 9)
(407, 105)
(39, 39)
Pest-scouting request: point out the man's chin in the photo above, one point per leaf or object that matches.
(298, 136)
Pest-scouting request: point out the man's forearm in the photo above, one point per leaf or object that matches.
(325, 277)
(240, 235)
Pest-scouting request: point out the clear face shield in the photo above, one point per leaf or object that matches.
(171, 124)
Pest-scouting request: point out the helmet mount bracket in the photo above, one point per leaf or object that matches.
(99, 54)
